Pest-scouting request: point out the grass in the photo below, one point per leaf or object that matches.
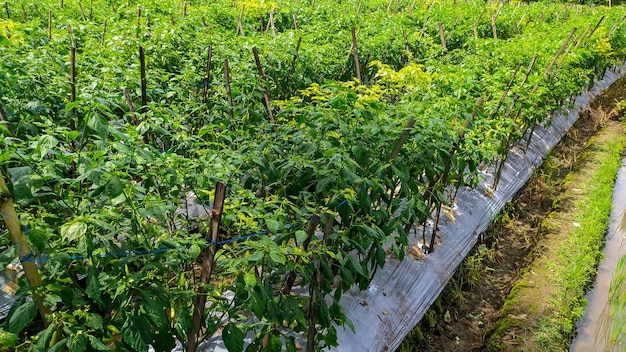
(552, 292)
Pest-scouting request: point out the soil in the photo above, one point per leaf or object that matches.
(466, 313)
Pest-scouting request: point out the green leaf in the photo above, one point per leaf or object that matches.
(71, 232)
(250, 279)
(46, 144)
(78, 343)
(22, 316)
(273, 225)
(94, 321)
(39, 238)
(94, 289)
(7, 339)
(58, 346)
(233, 338)
(114, 187)
(277, 257)
(194, 251)
(99, 124)
(97, 344)
(136, 333)
(301, 236)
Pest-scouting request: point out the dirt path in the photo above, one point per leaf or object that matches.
(470, 310)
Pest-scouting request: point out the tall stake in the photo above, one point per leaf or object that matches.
(131, 108)
(49, 25)
(355, 52)
(6, 7)
(442, 36)
(73, 72)
(144, 81)
(266, 94)
(292, 67)
(494, 29)
(208, 259)
(208, 74)
(558, 53)
(104, 32)
(82, 11)
(229, 94)
(12, 223)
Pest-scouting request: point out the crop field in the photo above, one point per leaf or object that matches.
(173, 170)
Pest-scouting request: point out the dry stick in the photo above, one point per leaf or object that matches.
(82, 11)
(506, 90)
(444, 180)
(49, 25)
(475, 26)
(355, 52)
(582, 37)
(12, 224)
(229, 94)
(295, 22)
(138, 23)
(208, 261)
(424, 27)
(406, 41)
(208, 74)
(104, 31)
(293, 66)
(144, 81)
(240, 23)
(493, 26)
(442, 37)
(560, 51)
(454, 26)
(5, 120)
(131, 108)
(266, 95)
(310, 231)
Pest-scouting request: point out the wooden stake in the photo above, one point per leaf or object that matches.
(406, 41)
(12, 224)
(131, 108)
(271, 22)
(266, 95)
(507, 89)
(454, 26)
(310, 231)
(596, 27)
(582, 36)
(424, 27)
(49, 25)
(204, 22)
(295, 22)
(4, 119)
(442, 37)
(475, 27)
(493, 26)
(184, 10)
(138, 23)
(229, 94)
(104, 31)
(355, 52)
(240, 23)
(82, 11)
(73, 73)
(144, 81)
(293, 66)
(558, 53)
(208, 261)
(24, 13)
(6, 7)
(400, 142)
(207, 76)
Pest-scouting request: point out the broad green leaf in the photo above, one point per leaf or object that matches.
(136, 333)
(233, 338)
(77, 343)
(114, 187)
(301, 236)
(93, 289)
(46, 144)
(7, 339)
(71, 232)
(39, 238)
(250, 279)
(94, 321)
(194, 251)
(97, 344)
(21, 317)
(273, 225)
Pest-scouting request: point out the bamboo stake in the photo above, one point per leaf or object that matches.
(507, 89)
(208, 261)
(208, 74)
(240, 23)
(12, 223)
(131, 108)
(266, 95)
(596, 27)
(406, 41)
(25, 15)
(424, 27)
(442, 37)
(355, 52)
(4, 119)
(558, 53)
(144, 81)
(138, 23)
(582, 36)
(82, 11)
(295, 22)
(49, 25)
(403, 136)
(272, 23)
(8, 11)
(104, 31)
(475, 27)
(458, 18)
(293, 65)
(229, 93)
(73, 72)
(184, 10)
(493, 26)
